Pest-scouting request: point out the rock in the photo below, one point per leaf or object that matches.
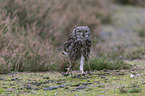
(55, 93)
(29, 79)
(86, 83)
(49, 81)
(84, 78)
(46, 77)
(102, 77)
(81, 87)
(4, 87)
(11, 84)
(62, 86)
(38, 84)
(28, 87)
(66, 88)
(58, 83)
(9, 89)
(20, 88)
(75, 85)
(88, 80)
(36, 89)
(121, 73)
(2, 79)
(89, 89)
(13, 79)
(50, 88)
(79, 75)
(73, 90)
(33, 92)
(132, 76)
(74, 76)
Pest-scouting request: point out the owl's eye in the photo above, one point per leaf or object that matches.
(86, 31)
(79, 31)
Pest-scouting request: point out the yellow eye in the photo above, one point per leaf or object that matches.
(86, 31)
(79, 31)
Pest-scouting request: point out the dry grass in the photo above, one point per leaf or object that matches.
(32, 31)
(21, 49)
(55, 18)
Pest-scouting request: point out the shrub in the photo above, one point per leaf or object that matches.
(21, 49)
(131, 2)
(103, 62)
(135, 54)
(30, 30)
(55, 19)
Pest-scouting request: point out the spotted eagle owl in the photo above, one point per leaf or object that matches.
(78, 46)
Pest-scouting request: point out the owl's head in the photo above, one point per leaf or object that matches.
(82, 33)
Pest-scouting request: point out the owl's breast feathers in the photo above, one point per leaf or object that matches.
(75, 48)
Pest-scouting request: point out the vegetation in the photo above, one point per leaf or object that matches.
(132, 2)
(33, 30)
(31, 40)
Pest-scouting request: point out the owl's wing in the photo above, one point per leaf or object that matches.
(87, 49)
(68, 43)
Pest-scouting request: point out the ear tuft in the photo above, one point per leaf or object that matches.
(75, 26)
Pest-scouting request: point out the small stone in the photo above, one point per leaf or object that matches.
(82, 87)
(50, 88)
(33, 92)
(73, 90)
(131, 76)
(56, 93)
(62, 86)
(88, 80)
(38, 84)
(4, 87)
(29, 79)
(36, 89)
(86, 83)
(20, 88)
(46, 77)
(79, 75)
(13, 79)
(28, 87)
(11, 84)
(74, 76)
(2, 79)
(89, 89)
(58, 83)
(75, 85)
(66, 88)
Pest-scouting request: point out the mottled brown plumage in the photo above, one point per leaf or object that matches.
(78, 45)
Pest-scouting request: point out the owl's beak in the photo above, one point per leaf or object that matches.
(83, 34)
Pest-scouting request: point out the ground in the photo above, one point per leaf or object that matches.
(104, 82)
(127, 82)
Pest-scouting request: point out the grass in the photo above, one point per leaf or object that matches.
(104, 63)
(31, 38)
(99, 83)
(131, 2)
(32, 31)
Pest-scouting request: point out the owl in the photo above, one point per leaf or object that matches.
(78, 46)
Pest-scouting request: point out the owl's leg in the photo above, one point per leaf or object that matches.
(69, 68)
(82, 63)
